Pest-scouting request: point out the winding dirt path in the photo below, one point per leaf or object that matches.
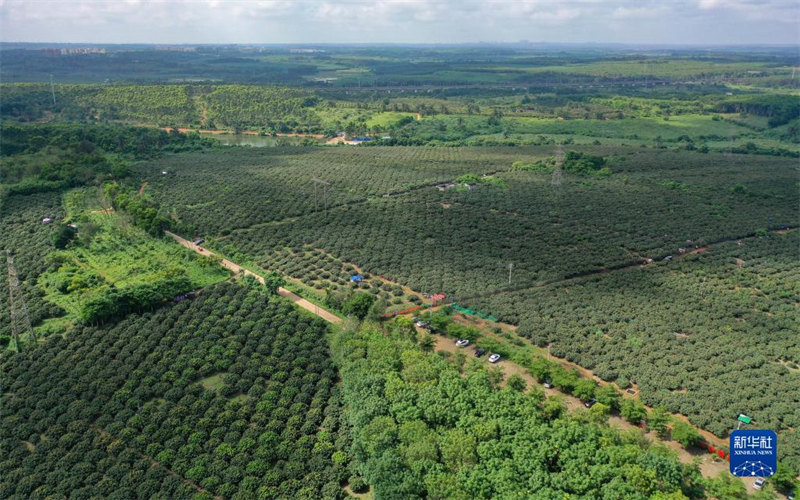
(709, 465)
(237, 269)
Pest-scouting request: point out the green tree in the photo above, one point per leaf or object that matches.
(554, 407)
(658, 420)
(427, 342)
(458, 449)
(633, 410)
(725, 487)
(785, 478)
(358, 305)
(598, 413)
(516, 382)
(685, 434)
(63, 235)
(585, 389)
(608, 396)
(405, 326)
(273, 281)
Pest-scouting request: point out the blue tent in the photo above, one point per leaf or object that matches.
(357, 278)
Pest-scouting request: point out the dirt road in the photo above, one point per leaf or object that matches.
(237, 269)
(709, 466)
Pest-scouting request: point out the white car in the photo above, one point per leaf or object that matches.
(462, 342)
(494, 358)
(759, 483)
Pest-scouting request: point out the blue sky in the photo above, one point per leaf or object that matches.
(701, 22)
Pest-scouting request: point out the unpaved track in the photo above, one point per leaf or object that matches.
(237, 269)
(709, 466)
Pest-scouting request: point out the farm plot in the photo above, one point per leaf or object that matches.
(461, 241)
(217, 192)
(23, 233)
(325, 273)
(709, 335)
(458, 250)
(656, 200)
(267, 427)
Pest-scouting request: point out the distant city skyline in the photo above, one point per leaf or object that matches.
(675, 22)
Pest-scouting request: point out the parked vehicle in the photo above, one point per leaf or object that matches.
(589, 403)
(759, 483)
(494, 358)
(199, 242)
(479, 352)
(547, 385)
(462, 342)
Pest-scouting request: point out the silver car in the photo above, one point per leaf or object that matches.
(494, 358)
(462, 342)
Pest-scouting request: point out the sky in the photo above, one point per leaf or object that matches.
(684, 22)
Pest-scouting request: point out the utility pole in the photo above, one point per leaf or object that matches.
(53, 91)
(20, 321)
(555, 179)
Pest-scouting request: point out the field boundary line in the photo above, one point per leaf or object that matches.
(237, 269)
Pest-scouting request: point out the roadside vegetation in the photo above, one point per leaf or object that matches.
(620, 229)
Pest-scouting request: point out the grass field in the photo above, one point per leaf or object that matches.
(109, 252)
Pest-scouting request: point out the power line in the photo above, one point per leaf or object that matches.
(20, 321)
(53, 91)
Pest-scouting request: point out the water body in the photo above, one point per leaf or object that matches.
(256, 141)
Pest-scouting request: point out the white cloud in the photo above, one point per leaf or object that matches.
(273, 21)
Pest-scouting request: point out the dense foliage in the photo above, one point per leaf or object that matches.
(23, 233)
(421, 429)
(685, 332)
(45, 157)
(231, 393)
(658, 252)
(212, 192)
(111, 267)
(142, 210)
(780, 109)
(354, 66)
(461, 241)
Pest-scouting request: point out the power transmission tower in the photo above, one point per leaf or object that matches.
(325, 185)
(555, 179)
(53, 90)
(20, 321)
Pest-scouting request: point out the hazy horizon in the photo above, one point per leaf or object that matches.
(402, 22)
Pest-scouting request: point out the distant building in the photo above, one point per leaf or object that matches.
(71, 51)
